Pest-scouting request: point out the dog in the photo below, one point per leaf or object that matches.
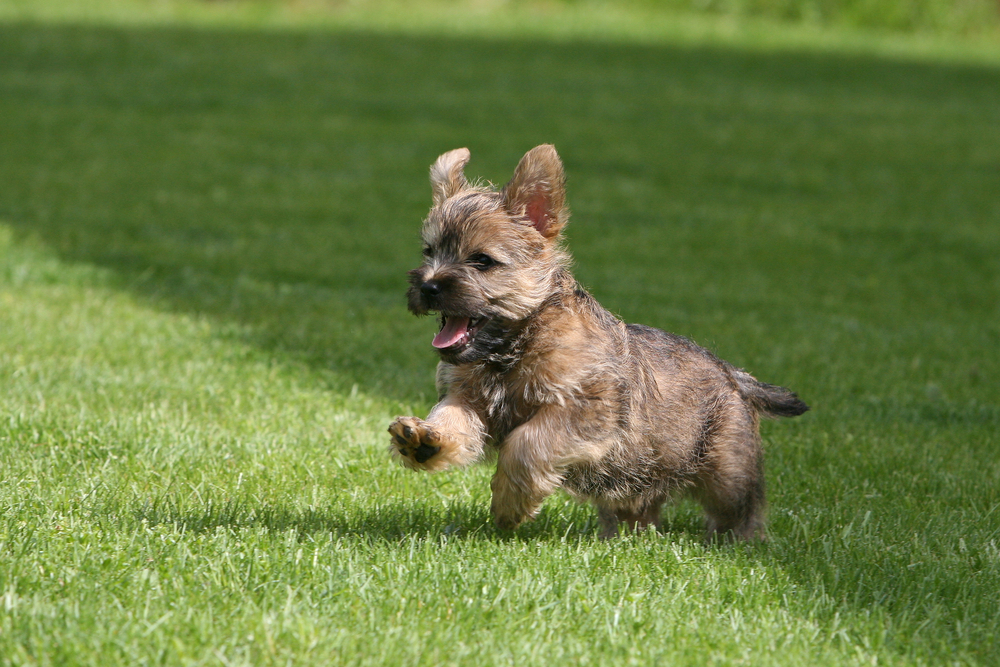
(536, 372)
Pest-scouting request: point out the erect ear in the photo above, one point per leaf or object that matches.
(446, 174)
(537, 191)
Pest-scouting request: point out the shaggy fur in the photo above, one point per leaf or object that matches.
(564, 393)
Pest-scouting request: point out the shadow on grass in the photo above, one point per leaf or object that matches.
(390, 521)
(276, 181)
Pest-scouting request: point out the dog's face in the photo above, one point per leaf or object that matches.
(489, 257)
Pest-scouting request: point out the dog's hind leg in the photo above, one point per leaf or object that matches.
(641, 519)
(732, 492)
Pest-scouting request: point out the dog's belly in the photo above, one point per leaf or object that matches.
(612, 481)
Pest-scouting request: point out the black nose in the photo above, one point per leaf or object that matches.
(431, 288)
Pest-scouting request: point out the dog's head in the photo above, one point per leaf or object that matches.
(490, 258)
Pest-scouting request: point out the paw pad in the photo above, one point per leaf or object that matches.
(413, 440)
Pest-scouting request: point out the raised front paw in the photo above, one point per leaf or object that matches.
(414, 443)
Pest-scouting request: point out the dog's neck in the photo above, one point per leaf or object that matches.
(518, 335)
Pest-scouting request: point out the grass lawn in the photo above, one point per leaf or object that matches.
(204, 233)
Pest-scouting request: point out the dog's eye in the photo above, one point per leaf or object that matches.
(428, 251)
(482, 261)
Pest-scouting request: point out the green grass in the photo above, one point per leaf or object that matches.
(966, 18)
(962, 29)
(204, 234)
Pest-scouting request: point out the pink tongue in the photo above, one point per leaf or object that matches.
(452, 331)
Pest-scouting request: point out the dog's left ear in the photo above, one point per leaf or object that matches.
(537, 191)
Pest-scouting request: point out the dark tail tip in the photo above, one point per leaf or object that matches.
(770, 399)
(786, 405)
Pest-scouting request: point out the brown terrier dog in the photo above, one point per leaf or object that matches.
(534, 369)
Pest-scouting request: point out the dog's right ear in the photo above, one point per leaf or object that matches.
(447, 177)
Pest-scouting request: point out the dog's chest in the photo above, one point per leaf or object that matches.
(504, 400)
(509, 394)
(503, 406)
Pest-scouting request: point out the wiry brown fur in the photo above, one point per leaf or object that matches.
(564, 393)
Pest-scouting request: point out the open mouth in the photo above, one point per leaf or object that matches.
(457, 332)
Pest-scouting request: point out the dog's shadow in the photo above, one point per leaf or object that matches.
(390, 521)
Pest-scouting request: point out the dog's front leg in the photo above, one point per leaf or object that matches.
(452, 435)
(526, 468)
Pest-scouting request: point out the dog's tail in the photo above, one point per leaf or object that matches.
(768, 399)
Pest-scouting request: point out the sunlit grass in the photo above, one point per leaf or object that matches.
(935, 29)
